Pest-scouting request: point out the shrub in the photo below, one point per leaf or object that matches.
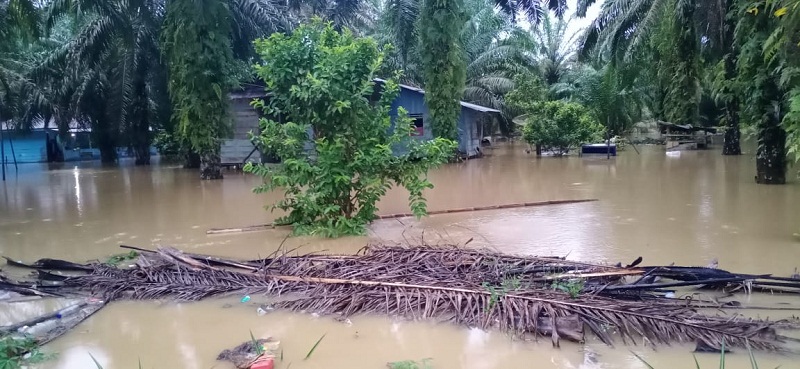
(338, 145)
(558, 126)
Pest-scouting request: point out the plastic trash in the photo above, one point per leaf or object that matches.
(670, 295)
(246, 298)
(261, 312)
(264, 362)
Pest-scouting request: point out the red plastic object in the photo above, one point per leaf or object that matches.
(264, 362)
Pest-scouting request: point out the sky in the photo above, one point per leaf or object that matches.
(577, 24)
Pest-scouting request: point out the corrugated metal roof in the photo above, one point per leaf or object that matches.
(465, 104)
(479, 108)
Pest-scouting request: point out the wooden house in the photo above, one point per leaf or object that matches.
(238, 148)
(470, 129)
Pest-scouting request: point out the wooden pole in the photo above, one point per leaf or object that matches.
(260, 227)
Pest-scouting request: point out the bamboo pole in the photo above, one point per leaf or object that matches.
(261, 227)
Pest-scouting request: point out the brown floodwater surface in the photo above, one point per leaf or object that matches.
(686, 209)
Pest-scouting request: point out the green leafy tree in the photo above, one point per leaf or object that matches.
(495, 49)
(340, 149)
(559, 126)
(529, 91)
(443, 65)
(199, 56)
(760, 90)
(782, 50)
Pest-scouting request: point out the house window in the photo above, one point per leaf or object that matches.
(417, 125)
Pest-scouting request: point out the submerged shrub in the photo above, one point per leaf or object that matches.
(559, 126)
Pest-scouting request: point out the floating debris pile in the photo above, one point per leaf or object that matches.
(521, 295)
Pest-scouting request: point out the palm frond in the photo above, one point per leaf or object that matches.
(476, 288)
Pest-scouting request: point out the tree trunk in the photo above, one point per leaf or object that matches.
(108, 152)
(732, 139)
(771, 156)
(192, 160)
(142, 152)
(210, 167)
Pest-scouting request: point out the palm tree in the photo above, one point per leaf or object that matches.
(357, 15)
(697, 28)
(612, 93)
(556, 49)
(19, 20)
(109, 72)
(496, 50)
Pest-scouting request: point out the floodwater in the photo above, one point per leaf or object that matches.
(686, 209)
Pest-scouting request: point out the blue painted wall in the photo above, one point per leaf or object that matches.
(31, 147)
(27, 147)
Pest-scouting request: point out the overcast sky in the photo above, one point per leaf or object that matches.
(577, 24)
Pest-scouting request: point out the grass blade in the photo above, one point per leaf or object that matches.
(753, 362)
(97, 364)
(308, 355)
(643, 361)
(722, 355)
(696, 364)
(256, 346)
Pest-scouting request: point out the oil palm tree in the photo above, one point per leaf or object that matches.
(495, 50)
(556, 48)
(19, 21)
(699, 31)
(612, 93)
(108, 72)
(357, 15)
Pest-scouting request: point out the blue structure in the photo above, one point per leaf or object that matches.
(470, 131)
(28, 147)
(32, 146)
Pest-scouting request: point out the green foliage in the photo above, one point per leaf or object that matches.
(573, 287)
(556, 48)
(760, 90)
(611, 94)
(120, 258)
(558, 126)
(19, 352)
(494, 47)
(411, 364)
(529, 91)
(167, 144)
(443, 63)
(507, 285)
(198, 51)
(341, 151)
(781, 50)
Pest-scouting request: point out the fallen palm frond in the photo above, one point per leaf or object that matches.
(476, 288)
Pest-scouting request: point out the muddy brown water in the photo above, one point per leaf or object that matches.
(687, 209)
